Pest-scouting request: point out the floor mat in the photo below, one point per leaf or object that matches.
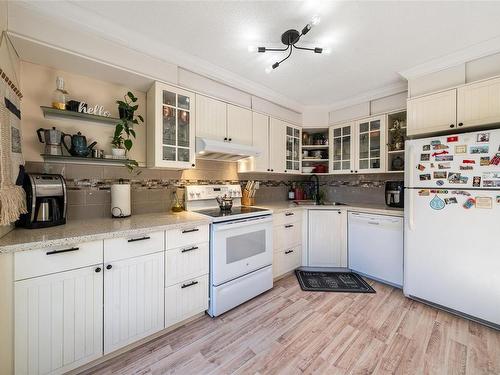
(332, 282)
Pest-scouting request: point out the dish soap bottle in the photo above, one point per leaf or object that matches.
(60, 96)
(291, 192)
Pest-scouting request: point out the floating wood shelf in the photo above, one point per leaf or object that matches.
(53, 113)
(82, 160)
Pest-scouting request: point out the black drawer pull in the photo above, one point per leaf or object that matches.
(189, 249)
(289, 226)
(190, 230)
(289, 214)
(62, 251)
(189, 284)
(288, 251)
(139, 239)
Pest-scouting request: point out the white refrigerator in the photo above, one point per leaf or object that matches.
(452, 223)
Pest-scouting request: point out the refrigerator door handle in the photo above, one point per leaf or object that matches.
(410, 212)
(410, 165)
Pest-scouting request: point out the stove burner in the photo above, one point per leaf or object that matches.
(216, 212)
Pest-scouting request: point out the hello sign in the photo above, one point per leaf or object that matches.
(95, 110)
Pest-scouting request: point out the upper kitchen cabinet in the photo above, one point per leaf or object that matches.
(211, 118)
(432, 113)
(277, 146)
(292, 154)
(260, 140)
(370, 155)
(342, 148)
(239, 125)
(479, 103)
(220, 121)
(170, 127)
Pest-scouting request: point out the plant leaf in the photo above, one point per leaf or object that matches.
(140, 118)
(131, 96)
(128, 144)
(118, 130)
(132, 131)
(134, 108)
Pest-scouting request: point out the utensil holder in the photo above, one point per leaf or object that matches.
(246, 200)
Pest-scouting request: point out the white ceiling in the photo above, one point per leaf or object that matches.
(370, 41)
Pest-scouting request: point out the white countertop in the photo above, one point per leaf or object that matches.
(281, 206)
(96, 229)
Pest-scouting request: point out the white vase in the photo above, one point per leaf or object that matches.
(118, 152)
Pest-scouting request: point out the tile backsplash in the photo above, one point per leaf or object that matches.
(153, 190)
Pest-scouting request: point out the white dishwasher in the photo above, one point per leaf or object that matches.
(375, 246)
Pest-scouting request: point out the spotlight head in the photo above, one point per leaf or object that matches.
(318, 50)
(275, 65)
(261, 49)
(306, 29)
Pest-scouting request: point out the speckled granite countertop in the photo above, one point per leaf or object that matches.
(97, 229)
(382, 209)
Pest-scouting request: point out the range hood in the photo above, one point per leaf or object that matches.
(220, 150)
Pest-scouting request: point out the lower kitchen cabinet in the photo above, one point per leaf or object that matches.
(58, 321)
(186, 299)
(287, 242)
(286, 260)
(326, 238)
(133, 299)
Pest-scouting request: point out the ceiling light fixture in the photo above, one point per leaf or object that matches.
(290, 38)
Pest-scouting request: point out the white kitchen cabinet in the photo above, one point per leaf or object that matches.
(293, 138)
(170, 127)
(432, 113)
(186, 299)
(287, 242)
(239, 125)
(343, 152)
(260, 140)
(375, 246)
(326, 238)
(211, 118)
(370, 145)
(277, 148)
(186, 263)
(58, 321)
(479, 103)
(133, 299)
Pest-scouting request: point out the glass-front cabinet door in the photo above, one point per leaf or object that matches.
(292, 149)
(371, 145)
(342, 149)
(170, 123)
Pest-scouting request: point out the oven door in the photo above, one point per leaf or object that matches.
(240, 247)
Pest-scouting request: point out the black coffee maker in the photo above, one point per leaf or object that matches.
(45, 199)
(394, 196)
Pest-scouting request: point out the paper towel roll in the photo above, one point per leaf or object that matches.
(120, 200)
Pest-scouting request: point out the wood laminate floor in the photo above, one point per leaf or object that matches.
(288, 331)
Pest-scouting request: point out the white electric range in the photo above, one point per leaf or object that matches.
(241, 249)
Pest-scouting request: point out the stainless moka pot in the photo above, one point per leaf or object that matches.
(53, 140)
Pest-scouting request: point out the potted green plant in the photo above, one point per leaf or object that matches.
(124, 130)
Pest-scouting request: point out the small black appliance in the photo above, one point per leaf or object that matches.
(394, 196)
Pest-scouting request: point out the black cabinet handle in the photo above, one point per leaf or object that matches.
(98, 269)
(189, 284)
(289, 226)
(139, 239)
(288, 251)
(460, 124)
(190, 230)
(109, 266)
(272, 170)
(225, 138)
(193, 165)
(289, 214)
(62, 251)
(355, 171)
(352, 171)
(189, 249)
(229, 139)
(452, 125)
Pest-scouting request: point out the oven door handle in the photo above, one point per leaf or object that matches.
(242, 223)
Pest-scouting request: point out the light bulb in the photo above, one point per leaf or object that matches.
(269, 69)
(315, 20)
(252, 49)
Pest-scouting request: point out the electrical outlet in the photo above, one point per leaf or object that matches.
(257, 185)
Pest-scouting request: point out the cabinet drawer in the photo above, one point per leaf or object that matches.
(187, 236)
(286, 260)
(186, 299)
(49, 260)
(287, 217)
(287, 235)
(184, 263)
(133, 246)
